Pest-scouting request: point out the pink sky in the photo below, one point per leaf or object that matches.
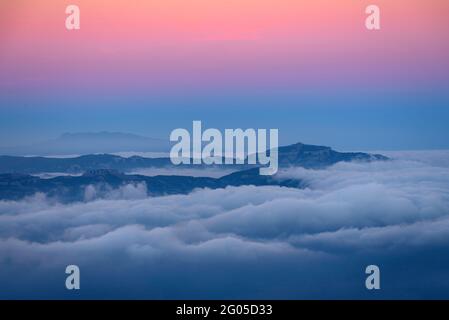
(169, 45)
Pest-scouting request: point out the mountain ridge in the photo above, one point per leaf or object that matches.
(105, 174)
(90, 142)
(307, 156)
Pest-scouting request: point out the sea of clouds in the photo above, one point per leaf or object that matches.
(242, 242)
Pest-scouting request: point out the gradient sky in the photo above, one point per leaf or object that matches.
(309, 68)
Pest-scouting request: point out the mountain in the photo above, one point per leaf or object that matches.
(90, 142)
(104, 173)
(315, 157)
(72, 188)
(11, 164)
(307, 156)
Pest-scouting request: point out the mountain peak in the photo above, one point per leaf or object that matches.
(311, 156)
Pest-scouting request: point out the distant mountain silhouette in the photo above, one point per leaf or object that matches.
(90, 142)
(104, 172)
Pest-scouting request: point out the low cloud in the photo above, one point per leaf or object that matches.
(126, 192)
(241, 242)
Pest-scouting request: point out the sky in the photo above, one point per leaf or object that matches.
(309, 68)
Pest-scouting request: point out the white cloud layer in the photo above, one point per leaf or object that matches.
(277, 242)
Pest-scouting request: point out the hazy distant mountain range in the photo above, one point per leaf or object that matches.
(307, 156)
(88, 143)
(105, 172)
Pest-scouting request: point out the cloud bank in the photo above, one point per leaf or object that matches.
(240, 242)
